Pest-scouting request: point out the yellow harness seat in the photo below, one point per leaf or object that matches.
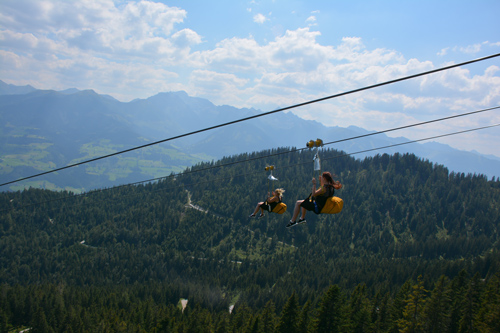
(280, 208)
(333, 205)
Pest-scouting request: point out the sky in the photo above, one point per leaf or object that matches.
(272, 54)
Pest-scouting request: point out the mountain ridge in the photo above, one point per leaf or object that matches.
(47, 129)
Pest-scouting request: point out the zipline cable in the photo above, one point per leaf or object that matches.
(412, 125)
(341, 155)
(415, 141)
(272, 155)
(257, 116)
(258, 172)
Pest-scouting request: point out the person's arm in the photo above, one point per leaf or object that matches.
(317, 192)
(273, 199)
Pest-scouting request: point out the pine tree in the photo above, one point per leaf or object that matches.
(380, 313)
(3, 322)
(412, 320)
(488, 316)
(240, 316)
(289, 316)
(457, 291)
(222, 324)
(359, 309)
(39, 322)
(254, 325)
(398, 306)
(268, 318)
(330, 312)
(471, 304)
(437, 310)
(304, 321)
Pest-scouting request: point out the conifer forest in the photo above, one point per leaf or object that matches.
(415, 249)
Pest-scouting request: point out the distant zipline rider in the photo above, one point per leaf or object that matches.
(273, 204)
(322, 200)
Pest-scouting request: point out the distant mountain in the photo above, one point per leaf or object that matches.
(43, 129)
(288, 130)
(170, 114)
(10, 89)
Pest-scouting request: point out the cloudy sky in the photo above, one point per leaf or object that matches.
(271, 54)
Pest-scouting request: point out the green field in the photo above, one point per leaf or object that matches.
(147, 163)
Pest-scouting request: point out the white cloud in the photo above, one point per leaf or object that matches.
(471, 49)
(468, 49)
(186, 38)
(11, 62)
(99, 26)
(218, 85)
(259, 18)
(18, 41)
(153, 19)
(443, 51)
(311, 20)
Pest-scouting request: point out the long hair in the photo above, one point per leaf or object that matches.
(329, 180)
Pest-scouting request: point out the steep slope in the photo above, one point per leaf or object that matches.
(402, 217)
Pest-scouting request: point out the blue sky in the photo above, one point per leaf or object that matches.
(270, 54)
(414, 28)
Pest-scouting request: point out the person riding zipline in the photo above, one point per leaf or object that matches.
(270, 203)
(317, 199)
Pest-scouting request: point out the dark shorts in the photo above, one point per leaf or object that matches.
(308, 205)
(269, 207)
(264, 206)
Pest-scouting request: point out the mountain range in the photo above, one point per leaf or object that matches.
(45, 129)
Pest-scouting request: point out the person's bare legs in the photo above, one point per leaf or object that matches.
(297, 210)
(303, 213)
(257, 209)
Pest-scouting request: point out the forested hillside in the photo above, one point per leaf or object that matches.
(415, 248)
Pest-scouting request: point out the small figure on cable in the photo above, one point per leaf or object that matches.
(271, 203)
(317, 199)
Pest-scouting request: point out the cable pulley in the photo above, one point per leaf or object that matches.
(314, 143)
(270, 177)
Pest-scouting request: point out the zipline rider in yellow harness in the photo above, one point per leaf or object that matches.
(317, 200)
(271, 203)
